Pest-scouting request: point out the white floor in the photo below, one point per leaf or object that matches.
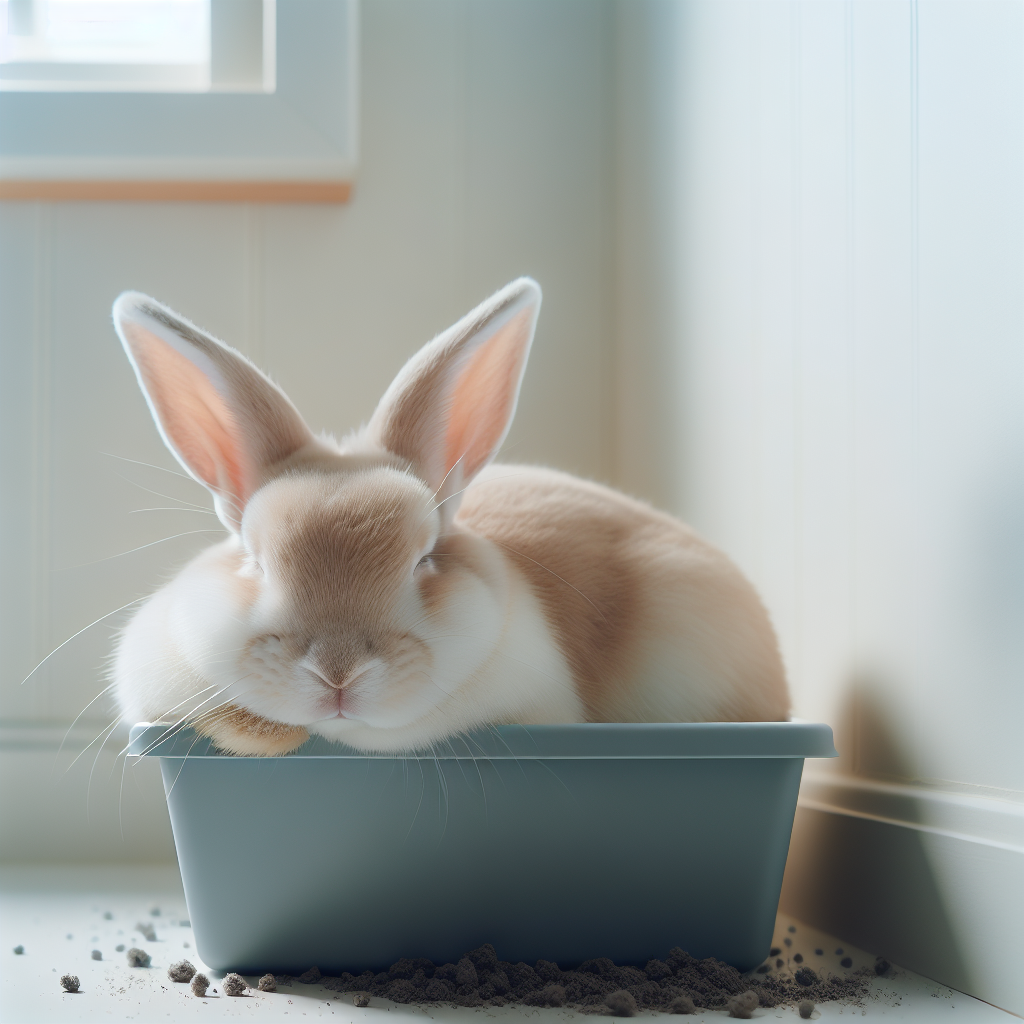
(59, 916)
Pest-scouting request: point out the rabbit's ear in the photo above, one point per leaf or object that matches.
(224, 421)
(450, 407)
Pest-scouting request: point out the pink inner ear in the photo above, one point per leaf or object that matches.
(194, 417)
(484, 396)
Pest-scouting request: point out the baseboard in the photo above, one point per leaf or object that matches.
(929, 878)
(63, 800)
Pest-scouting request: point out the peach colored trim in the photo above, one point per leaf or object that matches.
(179, 191)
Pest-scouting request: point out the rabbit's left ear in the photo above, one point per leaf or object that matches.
(450, 407)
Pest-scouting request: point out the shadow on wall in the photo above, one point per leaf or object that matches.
(869, 882)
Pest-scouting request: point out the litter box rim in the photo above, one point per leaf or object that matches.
(578, 741)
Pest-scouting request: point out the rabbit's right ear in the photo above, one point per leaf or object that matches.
(224, 421)
(449, 409)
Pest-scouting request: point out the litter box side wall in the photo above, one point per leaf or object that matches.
(351, 863)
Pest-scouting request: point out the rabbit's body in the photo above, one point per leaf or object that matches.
(395, 590)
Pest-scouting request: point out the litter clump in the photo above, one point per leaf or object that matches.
(181, 971)
(200, 983)
(621, 1004)
(882, 966)
(682, 1004)
(96, 954)
(743, 1005)
(805, 976)
(69, 983)
(805, 1009)
(311, 977)
(147, 929)
(19, 950)
(234, 985)
(138, 957)
(361, 999)
(268, 983)
(549, 995)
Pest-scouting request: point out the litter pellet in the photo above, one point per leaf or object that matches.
(19, 949)
(621, 1004)
(787, 942)
(155, 912)
(846, 962)
(186, 945)
(798, 957)
(791, 929)
(881, 966)
(234, 985)
(805, 1009)
(185, 923)
(805, 976)
(763, 969)
(138, 957)
(819, 952)
(70, 936)
(181, 971)
(200, 983)
(147, 929)
(361, 999)
(743, 1005)
(839, 952)
(108, 916)
(775, 951)
(682, 1004)
(779, 962)
(96, 954)
(119, 948)
(69, 983)
(268, 983)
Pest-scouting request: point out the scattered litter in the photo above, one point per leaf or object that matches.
(96, 954)
(69, 983)
(743, 1005)
(181, 971)
(119, 948)
(480, 979)
(311, 976)
(268, 983)
(682, 1004)
(138, 957)
(147, 929)
(200, 983)
(881, 966)
(19, 950)
(549, 995)
(108, 916)
(621, 1004)
(805, 1009)
(361, 999)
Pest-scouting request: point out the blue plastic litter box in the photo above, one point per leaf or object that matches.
(561, 843)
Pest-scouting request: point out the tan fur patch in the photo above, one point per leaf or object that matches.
(238, 731)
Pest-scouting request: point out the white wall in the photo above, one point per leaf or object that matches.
(840, 404)
(485, 155)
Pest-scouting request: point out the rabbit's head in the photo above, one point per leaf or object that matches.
(345, 600)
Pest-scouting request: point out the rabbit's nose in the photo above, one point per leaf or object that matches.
(339, 680)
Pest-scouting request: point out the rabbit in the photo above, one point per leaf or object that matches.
(396, 588)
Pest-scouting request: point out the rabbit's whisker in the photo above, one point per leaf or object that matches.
(131, 551)
(79, 633)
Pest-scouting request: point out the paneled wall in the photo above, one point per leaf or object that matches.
(832, 217)
(485, 155)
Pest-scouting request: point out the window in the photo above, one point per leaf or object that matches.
(178, 99)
